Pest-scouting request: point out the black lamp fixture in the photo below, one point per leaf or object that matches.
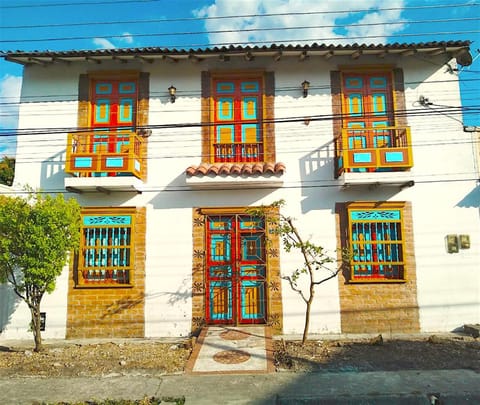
(305, 87)
(172, 90)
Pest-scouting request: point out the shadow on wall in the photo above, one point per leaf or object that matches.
(471, 200)
(316, 171)
(205, 197)
(53, 171)
(8, 303)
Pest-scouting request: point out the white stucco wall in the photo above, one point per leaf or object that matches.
(444, 174)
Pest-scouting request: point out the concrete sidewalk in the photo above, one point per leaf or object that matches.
(399, 387)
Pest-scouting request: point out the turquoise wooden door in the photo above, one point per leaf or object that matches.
(236, 270)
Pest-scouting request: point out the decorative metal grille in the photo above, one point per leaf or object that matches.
(376, 241)
(106, 252)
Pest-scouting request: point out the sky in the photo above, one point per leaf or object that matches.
(58, 25)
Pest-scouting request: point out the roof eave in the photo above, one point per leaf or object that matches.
(458, 49)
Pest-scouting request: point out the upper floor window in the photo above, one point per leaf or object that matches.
(372, 134)
(237, 130)
(238, 117)
(111, 108)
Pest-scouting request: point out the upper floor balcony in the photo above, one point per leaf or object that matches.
(105, 161)
(238, 152)
(379, 155)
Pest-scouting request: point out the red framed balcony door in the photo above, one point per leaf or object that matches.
(238, 112)
(113, 118)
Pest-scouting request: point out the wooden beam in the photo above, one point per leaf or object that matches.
(38, 61)
(382, 54)
(93, 60)
(66, 61)
(73, 190)
(437, 51)
(248, 56)
(303, 56)
(194, 58)
(102, 190)
(119, 59)
(170, 59)
(356, 54)
(143, 59)
(409, 52)
(328, 55)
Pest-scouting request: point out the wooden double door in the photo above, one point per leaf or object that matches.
(236, 270)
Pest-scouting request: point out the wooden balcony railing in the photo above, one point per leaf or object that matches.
(373, 149)
(97, 154)
(238, 152)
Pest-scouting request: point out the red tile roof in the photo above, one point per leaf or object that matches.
(235, 169)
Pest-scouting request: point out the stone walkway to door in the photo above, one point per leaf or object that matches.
(233, 350)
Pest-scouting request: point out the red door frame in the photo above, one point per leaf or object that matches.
(229, 279)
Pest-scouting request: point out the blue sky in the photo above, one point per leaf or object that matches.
(94, 24)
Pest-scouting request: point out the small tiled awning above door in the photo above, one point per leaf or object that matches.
(233, 175)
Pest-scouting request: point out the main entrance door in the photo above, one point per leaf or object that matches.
(236, 269)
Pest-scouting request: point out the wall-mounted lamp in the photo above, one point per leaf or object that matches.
(305, 87)
(172, 90)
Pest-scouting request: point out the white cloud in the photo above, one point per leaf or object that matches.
(10, 87)
(103, 43)
(327, 27)
(127, 38)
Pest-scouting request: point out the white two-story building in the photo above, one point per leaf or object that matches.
(166, 150)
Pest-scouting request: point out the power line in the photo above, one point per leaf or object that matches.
(396, 113)
(96, 3)
(79, 3)
(448, 20)
(184, 93)
(167, 188)
(175, 34)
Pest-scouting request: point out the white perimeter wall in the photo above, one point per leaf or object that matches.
(448, 284)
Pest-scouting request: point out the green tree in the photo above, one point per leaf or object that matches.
(36, 236)
(7, 170)
(318, 267)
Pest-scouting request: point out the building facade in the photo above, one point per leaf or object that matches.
(168, 150)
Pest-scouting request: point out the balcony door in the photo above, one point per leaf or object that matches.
(367, 108)
(236, 270)
(238, 113)
(113, 118)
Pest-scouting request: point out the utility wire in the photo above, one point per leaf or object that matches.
(328, 117)
(95, 3)
(79, 3)
(279, 89)
(435, 21)
(175, 34)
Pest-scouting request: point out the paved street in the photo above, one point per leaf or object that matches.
(400, 387)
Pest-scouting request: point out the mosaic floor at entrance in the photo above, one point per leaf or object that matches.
(229, 349)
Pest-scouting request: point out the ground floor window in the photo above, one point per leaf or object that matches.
(376, 239)
(106, 254)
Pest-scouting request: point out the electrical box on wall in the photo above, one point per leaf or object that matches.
(453, 243)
